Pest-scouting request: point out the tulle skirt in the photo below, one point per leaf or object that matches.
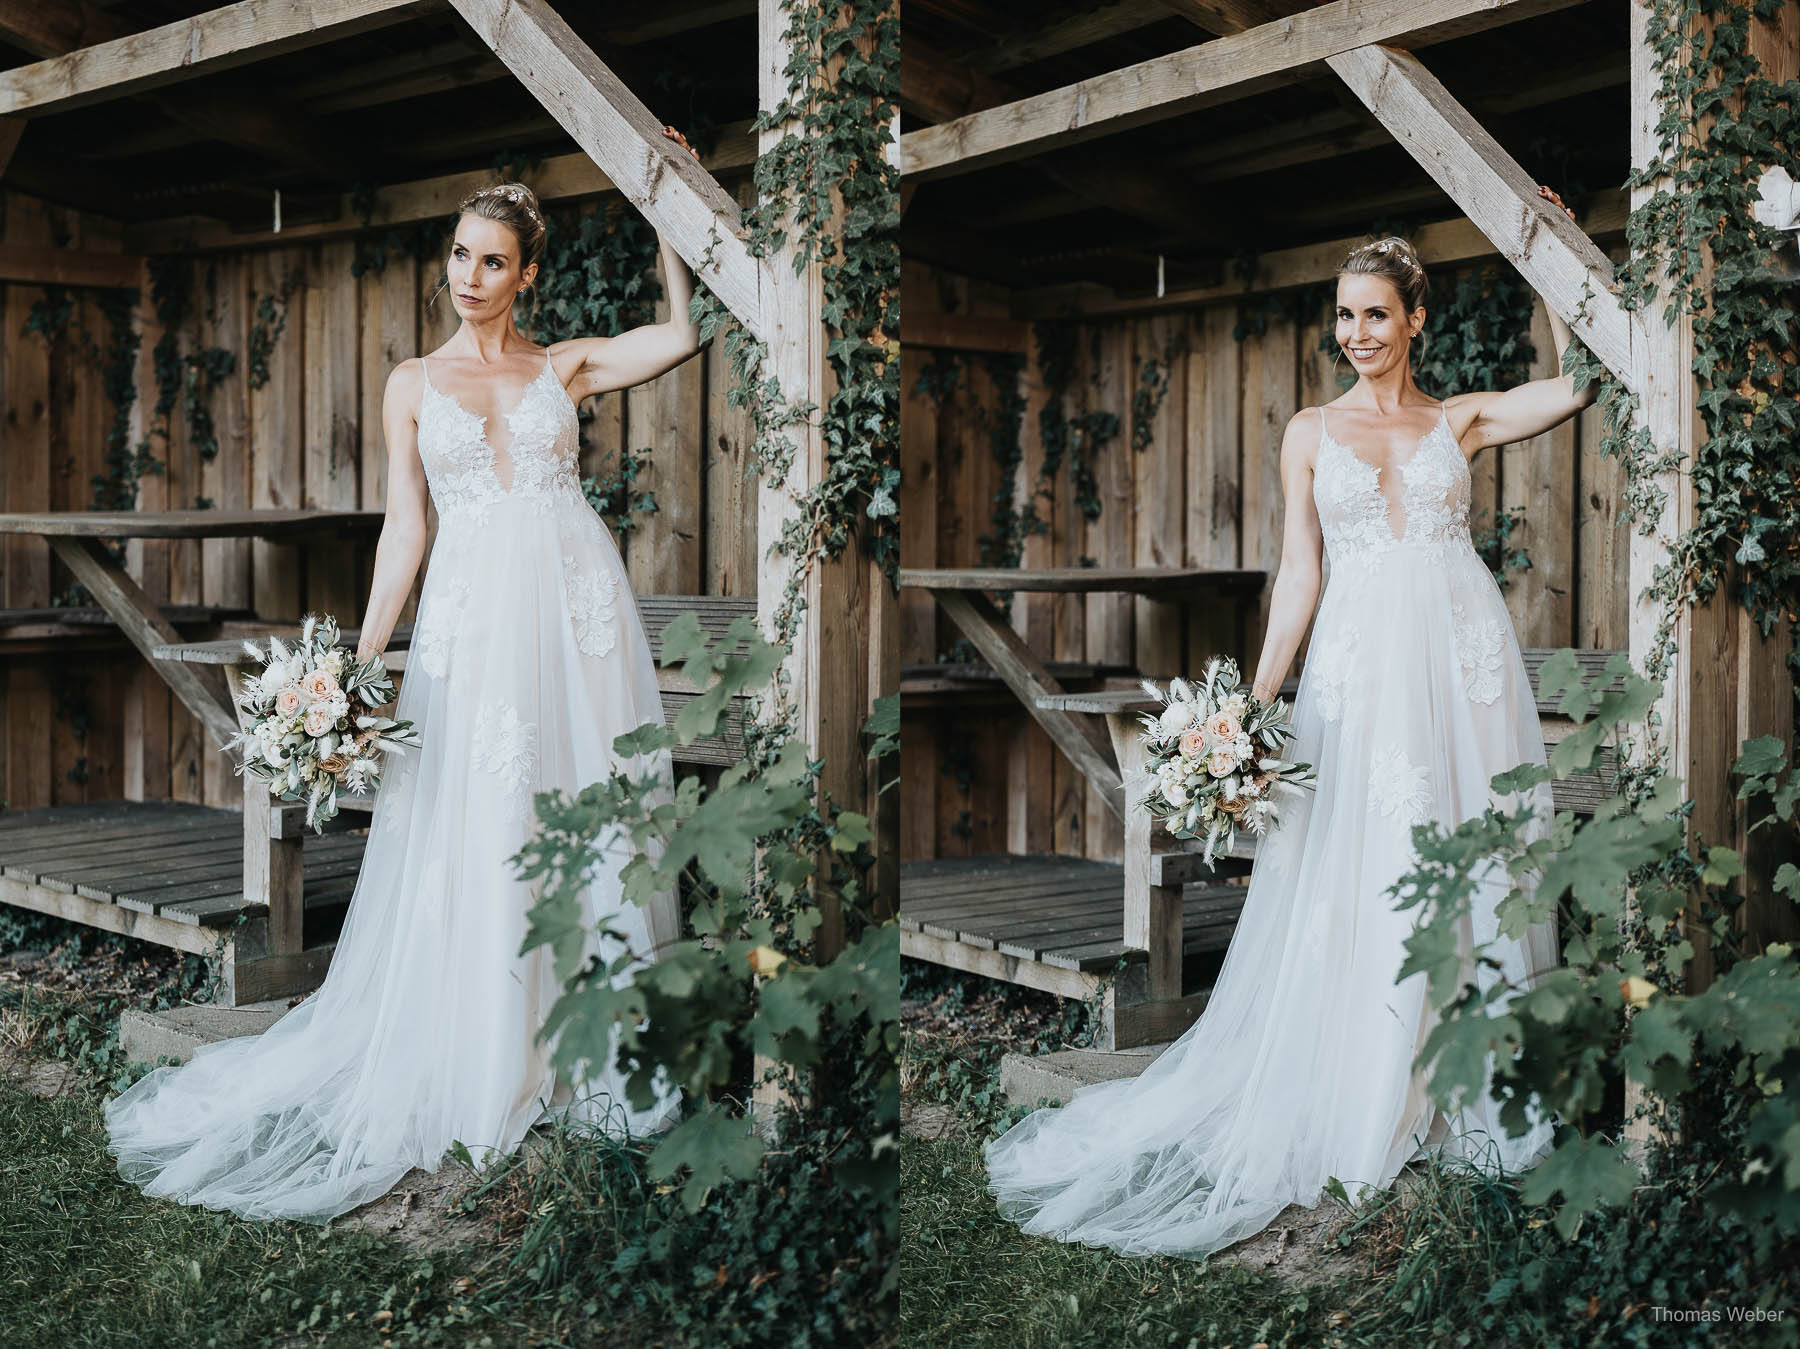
(1300, 1069)
(528, 659)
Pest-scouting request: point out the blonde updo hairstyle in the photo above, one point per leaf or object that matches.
(1393, 259)
(515, 206)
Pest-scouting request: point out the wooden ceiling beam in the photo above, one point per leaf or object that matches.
(1562, 263)
(261, 122)
(673, 20)
(1222, 18)
(1215, 72)
(561, 178)
(1440, 243)
(936, 87)
(220, 39)
(688, 207)
(1039, 42)
(69, 267)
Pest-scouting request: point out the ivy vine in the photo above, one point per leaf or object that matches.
(1746, 472)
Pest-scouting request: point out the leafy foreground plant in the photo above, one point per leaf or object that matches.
(737, 993)
(1722, 1067)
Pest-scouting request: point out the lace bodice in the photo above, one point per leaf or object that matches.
(468, 475)
(1358, 521)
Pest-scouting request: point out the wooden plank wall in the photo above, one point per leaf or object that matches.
(1205, 490)
(310, 436)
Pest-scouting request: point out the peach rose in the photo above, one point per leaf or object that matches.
(287, 702)
(1222, 726)
(320, 718)
(1193, 742)
(1221, 763)
(334, 763)
(319, 684)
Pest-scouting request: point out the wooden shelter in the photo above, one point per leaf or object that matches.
(1110, 212)
(261, 157)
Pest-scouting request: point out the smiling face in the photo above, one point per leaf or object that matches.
(1371, 327)
(484, 267)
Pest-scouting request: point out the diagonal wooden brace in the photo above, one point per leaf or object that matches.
(1562, 264)
(684, 202)
(1076, 734)
(200, 688)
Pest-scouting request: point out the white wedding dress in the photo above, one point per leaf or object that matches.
(527, 659)
(1300, 1069)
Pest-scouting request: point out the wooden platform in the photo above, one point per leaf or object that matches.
(1056, 923)
(172, 873)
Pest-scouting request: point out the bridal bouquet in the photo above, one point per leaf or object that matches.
(1215, 761)
(307, 733)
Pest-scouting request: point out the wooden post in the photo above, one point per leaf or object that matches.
(1152, 912)
(272, 866)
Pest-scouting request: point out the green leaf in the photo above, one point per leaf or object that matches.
(1586, 1172)
(712, 1146)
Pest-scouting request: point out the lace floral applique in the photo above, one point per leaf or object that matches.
(1436, 496)
(459, 462)
(1332, 662)
(439, 628)
(592, 606)
(506, 747)
(1479, 647)
(1353, 515)
(1399, 788)
(537, 424)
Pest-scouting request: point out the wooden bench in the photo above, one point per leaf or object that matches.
(962, 595)
(184, 875)
(61, 630)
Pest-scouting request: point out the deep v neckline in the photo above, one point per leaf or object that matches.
(1375, 471)
(505, 416)
(1378, 469)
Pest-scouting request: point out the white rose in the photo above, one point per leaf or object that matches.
(276, 756)
(1176, 718)
(1175, 793)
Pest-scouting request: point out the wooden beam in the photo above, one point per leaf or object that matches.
(202, 692)
(1441, 242)
(1037, 42)
(937, 87)
(1152, 917)
(1078, 736)
(1562, 264)
(220, 39)
(964, 332)
(11, 129)
(1206, 75)
(1221, 17)
(265, 123)
(561, 178)
(66, 266)
(683, 201)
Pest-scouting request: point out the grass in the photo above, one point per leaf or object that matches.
(971, 1279)
(86, 1260)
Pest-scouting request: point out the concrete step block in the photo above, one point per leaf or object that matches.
(1027, 1078)
(179, 1031)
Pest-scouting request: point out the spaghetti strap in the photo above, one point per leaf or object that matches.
(1324, 432)
(425, 365)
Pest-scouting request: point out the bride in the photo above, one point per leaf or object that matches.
(527, 659)
(1413, 696)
